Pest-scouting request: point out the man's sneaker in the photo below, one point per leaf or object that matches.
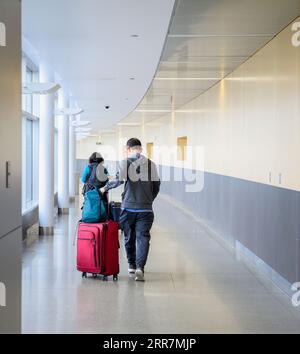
(131, 269)
(139, 275)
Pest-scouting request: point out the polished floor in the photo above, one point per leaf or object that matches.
(194, 285)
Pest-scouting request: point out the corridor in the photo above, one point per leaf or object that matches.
(193, 285)
(190, 107)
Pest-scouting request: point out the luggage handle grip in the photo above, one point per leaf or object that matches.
(76, 232)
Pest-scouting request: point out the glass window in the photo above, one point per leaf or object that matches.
(55, 161)
(30, 140)
(29, 160)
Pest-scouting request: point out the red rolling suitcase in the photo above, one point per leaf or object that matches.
(98, 249)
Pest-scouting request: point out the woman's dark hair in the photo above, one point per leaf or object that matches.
(96, 158)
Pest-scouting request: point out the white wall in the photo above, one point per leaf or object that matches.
(248, 124)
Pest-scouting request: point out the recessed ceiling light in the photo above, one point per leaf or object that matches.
(134, 36)
(132, 78)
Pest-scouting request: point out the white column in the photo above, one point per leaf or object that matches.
(46, 155)
(72, 160)
(63, 154)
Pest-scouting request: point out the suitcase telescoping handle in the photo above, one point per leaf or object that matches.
(76, 232)
(103, 202)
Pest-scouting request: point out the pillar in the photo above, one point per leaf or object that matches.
(72, 160)
(46, 155)
(63, 154)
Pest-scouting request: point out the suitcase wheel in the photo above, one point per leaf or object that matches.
(115, 278)
(105, 278)
(84, 275)
(94, 275)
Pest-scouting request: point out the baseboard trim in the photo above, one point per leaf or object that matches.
(46, 231)
(63, 211)
(255, 264)
(261, 268)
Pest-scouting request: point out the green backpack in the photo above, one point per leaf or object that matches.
(93, 210)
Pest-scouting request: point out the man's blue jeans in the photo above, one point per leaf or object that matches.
(136, 227)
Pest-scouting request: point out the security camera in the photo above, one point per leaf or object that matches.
(107, 107)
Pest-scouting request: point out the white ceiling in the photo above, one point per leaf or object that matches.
(208, 39)
(89, 44)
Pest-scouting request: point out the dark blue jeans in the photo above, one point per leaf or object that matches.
(136, 227)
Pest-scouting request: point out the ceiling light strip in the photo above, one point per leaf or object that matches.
(220, 35)
(188, 78)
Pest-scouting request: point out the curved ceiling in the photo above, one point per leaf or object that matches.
(208, 39)
(106, 52)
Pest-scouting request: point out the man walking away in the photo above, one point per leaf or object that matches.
(142, 186)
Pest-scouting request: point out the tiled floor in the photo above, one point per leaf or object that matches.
(193, 285)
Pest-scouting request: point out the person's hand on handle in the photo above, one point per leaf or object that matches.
(102, 190)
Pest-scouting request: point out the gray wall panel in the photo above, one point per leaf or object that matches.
(10, 275)
(265, 219)
(278, 232)
(244, 226)
(298, 239)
